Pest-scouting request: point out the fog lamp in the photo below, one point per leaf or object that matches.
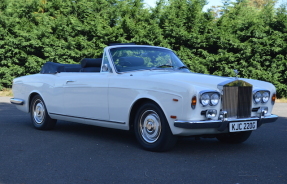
(211, 113)
(262, 111)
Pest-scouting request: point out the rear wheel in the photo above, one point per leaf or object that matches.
(152, 129)
(39, 116)
(234, 137)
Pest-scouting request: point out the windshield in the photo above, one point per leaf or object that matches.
(145, 58)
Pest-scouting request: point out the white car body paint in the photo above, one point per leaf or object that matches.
(107, 98)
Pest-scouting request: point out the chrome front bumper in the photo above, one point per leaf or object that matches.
(16, 101)
(221, 125)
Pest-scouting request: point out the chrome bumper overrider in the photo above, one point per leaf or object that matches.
(17, 101)
(221, 125)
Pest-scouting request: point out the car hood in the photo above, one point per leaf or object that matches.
(196, 79)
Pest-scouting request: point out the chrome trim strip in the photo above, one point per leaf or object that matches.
(262, 91)
(209, 91)
(269, 119)
(139, 46)
(16, 101)
(222, 124)
(216, 121)
(89, 118)
(256, 90)
(220, 85)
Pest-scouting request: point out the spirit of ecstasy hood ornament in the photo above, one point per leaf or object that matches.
(236, 74)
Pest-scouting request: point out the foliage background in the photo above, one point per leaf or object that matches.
(248, 35)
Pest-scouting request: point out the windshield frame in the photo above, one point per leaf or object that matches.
(173, 69)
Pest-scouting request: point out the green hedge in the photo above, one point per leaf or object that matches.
(250, 39)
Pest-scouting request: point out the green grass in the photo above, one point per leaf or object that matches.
(282, 100)
(6, 92)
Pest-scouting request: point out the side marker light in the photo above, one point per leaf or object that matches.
(193, 102)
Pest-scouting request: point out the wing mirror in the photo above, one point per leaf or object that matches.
(105, 68)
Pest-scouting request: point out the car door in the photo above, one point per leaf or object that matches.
(86, 95)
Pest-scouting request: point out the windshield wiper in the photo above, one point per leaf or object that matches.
(182, 67)
(162, 66)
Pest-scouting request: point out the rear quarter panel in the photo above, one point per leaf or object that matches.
(42, 84)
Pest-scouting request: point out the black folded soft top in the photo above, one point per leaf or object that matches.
(52, 68)
(86, 65)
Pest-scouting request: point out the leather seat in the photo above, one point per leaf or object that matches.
(131, 61)
(91, 65)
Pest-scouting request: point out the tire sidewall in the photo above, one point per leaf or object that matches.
(161, 144)
(34, 102)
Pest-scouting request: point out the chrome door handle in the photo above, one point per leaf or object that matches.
(69, 81)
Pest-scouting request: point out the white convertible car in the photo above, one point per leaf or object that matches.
(146, 89)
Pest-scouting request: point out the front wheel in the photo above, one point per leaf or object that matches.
(234, 137)
(39, 115)
(152, 130)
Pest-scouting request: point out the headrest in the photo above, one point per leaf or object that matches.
(131, 61)
(50, 67)
(91, 62)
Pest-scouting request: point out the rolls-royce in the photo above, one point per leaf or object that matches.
(148, 90)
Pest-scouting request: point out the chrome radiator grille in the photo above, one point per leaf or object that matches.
(236, 100)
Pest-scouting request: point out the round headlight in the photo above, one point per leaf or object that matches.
(214, 99)
(204, 99)
(265, 97)
(257, 97)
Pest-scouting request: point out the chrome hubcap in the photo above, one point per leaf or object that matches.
(39, 111)
(150, 126)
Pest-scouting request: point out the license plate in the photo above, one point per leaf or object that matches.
(242, 126)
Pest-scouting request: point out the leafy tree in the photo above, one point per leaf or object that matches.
(248, 35)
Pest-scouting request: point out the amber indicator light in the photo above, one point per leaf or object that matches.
(273, 97)
(173, 117)
(193, 101)
(176, 100)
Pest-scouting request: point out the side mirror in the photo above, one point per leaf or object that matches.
(105, 68)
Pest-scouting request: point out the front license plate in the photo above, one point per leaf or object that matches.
(242, 126)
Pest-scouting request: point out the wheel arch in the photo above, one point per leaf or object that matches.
(31, 96)
(136, 106)
(154, 139)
